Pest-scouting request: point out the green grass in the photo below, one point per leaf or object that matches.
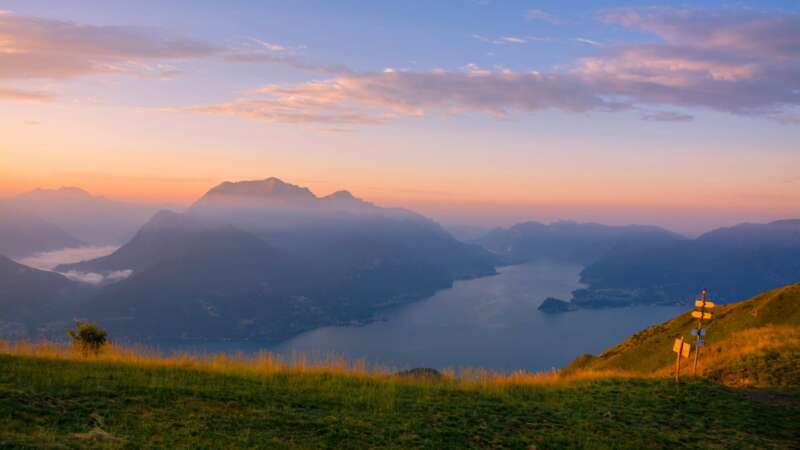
(56, 403)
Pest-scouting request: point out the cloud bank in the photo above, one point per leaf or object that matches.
(32, 47)
(737, 61)
(50, 260)
(734, 61)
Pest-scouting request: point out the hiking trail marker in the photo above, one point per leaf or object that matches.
(682, 349)
(701, 313)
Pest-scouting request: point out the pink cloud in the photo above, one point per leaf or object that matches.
(734, 61)
(32, 47)
(377, 97)
(24, 95)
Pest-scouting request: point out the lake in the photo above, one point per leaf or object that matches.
(490, 322)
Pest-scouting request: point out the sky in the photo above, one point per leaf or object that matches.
(484, 112)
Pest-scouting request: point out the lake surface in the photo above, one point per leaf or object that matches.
(489, 322)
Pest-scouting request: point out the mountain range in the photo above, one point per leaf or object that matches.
(266, 260)
(627, 265)
(90, 219)
(566, 241)
(734, 263)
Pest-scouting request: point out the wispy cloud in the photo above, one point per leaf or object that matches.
(588, 41)
(52, 259)
(539, 15)
(506, 40)
(666, 116)
(32, 47)
(378, 97)
(24, 95)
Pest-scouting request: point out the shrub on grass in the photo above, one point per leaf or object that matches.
(88, 337)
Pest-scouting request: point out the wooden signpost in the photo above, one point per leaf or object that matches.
(682, 349)
(701, 313)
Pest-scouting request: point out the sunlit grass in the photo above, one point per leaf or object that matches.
(266, 363)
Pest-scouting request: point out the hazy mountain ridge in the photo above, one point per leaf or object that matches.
(23, 234)
(267, 259)
(91, 219)
(736, 262)
(30, 299)
(567, 241)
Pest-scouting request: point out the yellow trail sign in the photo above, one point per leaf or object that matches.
(682, 348)
(698, 315)
(704, 304)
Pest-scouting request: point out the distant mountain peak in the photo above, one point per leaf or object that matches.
(341, 195)
(270, 188)
(64, 191)
(74, 190)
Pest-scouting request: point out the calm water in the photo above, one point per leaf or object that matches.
(489, 322)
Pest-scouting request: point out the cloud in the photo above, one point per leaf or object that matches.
(588, 41)
(378, 97)
(32, 47)
(736, 61)
(24, 95)
(98, 278)
(512, 40)
(539, 15)
(52, 259)
(666, 116)
(257, 51)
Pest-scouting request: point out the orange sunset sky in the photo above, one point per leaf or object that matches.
(467, 123)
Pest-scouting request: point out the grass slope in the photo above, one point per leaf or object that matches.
(764, 328)
(57, 403)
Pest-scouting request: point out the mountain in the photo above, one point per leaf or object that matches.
(341, 234)
(754, 342)
(29, 297)
(736, 262)
(23, 234)
(92, 219)
(567, 241)
(192, 281)
(267, 260)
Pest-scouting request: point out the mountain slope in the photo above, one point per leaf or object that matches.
(739, 262)
(26, 292)
(23, 234)
(204, 284)
(768, 321)
(567, 241)
(90, 218)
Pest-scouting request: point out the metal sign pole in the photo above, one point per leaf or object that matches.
(699, 327)
(705, 306)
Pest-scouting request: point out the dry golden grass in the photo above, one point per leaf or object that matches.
(739, 345)
(266, 363)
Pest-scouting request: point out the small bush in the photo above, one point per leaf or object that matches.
(88, 337)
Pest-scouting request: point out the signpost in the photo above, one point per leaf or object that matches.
(701, 313)
(682, 350)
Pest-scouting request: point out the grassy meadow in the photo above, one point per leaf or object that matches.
(51, 397)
